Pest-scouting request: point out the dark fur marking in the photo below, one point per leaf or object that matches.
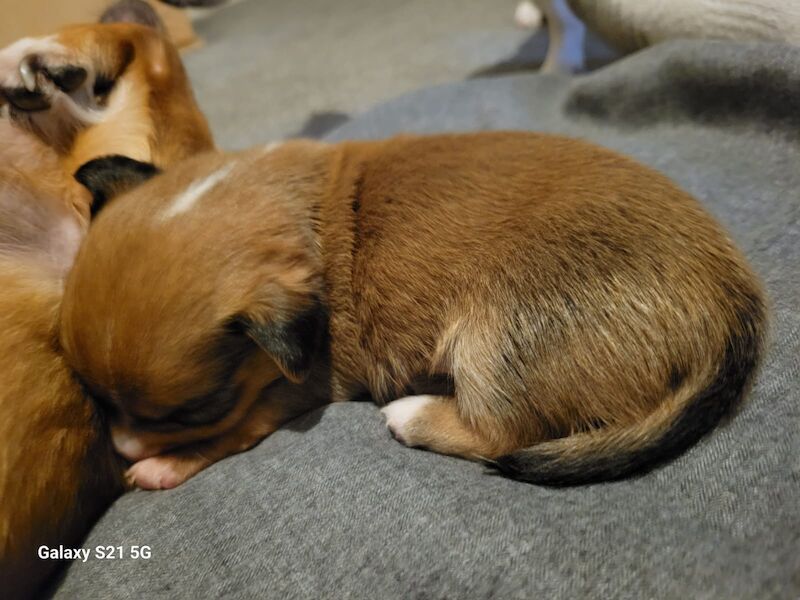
(676, 378)
(109, 176)
(294, 343)
(103, 85)
(702, 414)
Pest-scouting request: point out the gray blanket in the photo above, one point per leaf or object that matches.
(332, 507)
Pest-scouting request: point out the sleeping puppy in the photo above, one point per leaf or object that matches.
(84, 92)
(587, 317)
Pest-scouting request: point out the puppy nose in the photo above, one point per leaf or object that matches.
(129, 445)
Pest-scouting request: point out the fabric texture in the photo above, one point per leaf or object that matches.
(332, 507)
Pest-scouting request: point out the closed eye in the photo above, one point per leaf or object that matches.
(206, 410)
(99, 398)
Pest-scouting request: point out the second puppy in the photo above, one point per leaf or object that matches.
(588, 318)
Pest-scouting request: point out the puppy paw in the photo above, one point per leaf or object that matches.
(36, 72)
(404, 418)
(164, 472)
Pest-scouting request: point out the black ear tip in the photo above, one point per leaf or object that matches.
(292, 343)
(108, 176)
(113, 164)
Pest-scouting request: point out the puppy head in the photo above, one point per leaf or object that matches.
(177, 319)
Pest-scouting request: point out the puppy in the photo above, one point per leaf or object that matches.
(58, 470)
(89, 91)
(81, 93)
(587, 317)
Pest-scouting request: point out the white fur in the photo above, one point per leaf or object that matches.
(272, 146)
(64, 241)
(11, 57)
(528, 15)
(196, 190)
(127, 444)
(400, 413)
(161, 472)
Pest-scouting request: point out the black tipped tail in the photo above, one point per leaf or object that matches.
(685, 417)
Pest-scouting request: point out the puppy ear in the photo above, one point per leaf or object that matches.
(110, 176)
(292, 343)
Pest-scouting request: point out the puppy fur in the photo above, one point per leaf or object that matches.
(134, 100)
(588, 317)
(58, 470)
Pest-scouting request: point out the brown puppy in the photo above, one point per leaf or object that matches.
(85, 92)
(57, 467)
(591, 319)
(89, 91)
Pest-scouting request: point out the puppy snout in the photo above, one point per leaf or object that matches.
(130, 446)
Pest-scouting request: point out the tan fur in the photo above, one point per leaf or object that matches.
(150, 114)
(568, 292)
(57, 467)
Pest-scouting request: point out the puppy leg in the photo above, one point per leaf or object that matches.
(434, 423)
(48, 87)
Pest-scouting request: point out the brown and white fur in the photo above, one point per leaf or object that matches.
(584, 317)
(84, 92)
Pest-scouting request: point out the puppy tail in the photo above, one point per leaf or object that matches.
(678, 422)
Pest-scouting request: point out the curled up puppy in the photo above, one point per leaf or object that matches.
(588, 319)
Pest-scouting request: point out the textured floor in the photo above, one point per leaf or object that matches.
(272, 69)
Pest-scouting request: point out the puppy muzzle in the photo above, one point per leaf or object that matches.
(131, 446)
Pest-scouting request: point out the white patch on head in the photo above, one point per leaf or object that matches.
(400, 413)
(272, 146)
(196, 190)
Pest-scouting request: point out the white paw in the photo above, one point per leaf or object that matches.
(401, 414)
(163, 472)
(37, 74)
(12, 57)
(528, 15)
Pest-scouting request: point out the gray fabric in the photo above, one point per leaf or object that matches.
(270, 69)
(332, 507)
